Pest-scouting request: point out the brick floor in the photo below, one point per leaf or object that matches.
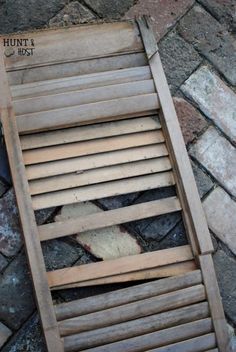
(198, 52)
(216, 100)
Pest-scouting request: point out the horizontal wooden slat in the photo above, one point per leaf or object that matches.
(95, 146)
(169, 270)
(159, 338)
(119, 266)
(108, 218)
(102, 190)
(83, 133)
(133, 310)
(136, 327)
(80, 164)
(126, 295)
(84, 67)
(85, 96)
(197, 344)
(77, 42)
(79, 82)
(87, 113)
(105, 174)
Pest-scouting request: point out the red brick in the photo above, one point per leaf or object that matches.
(190, 119)
(164, 13)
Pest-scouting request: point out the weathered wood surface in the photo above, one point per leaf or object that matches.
(108, 218)
(123, 296)
(84, 133)
(158, 338)
(119, 266)
(76, 43)
(136, 327)
(94, 161)
(109, 189)
(169, 270)
(30, 231)
(187, 190)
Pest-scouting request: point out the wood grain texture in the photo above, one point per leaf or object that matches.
(214, 299)
(95, 146)
(100, 175)
(133, 310)
(80, 97)
(83, 133)
(136, 327)
(108, 218)
(164, 271)
(119, 266)
(193, 214)
(126, 295)
(102, 190)
(197, 344)
(87, 112)
(77, 42)
(29, 227)
(158, 338)
(84, 67)
(59, 85)
(80, 164)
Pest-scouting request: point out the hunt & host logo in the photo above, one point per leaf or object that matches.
(18, 46)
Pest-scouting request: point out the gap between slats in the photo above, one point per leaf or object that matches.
(119, 266)
(169, 270)
(87, 113)
(83, 133)
(102, 190)
(89, 162)
(95, 146)
(126, 295)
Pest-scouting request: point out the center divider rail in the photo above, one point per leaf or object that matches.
(80, 123)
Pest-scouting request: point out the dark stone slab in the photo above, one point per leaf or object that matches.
(59, 254)
(191, 121)
(223, 10)
(209, 37)
(10, 230)
(203, 181)
(17, 299)
(18, 15)
(226, 273)
(179, 59)
(109, 9)
(118, 201)
(29, 338)
(73, 13)
(154, 228)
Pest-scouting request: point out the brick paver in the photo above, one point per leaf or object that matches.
(209, 37)
(164, 13)
(220, 211)
(216, 100)
(218, 156)
(192, 123)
